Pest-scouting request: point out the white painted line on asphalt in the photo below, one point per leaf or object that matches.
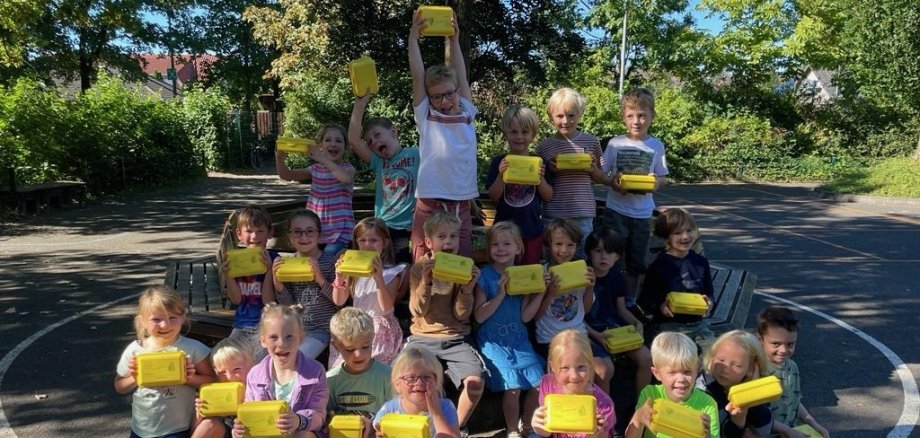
(75, 242)
(911, 409)
(6, 431)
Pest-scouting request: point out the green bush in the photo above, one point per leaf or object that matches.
(205, 120)
(890, 177)
(32, 135)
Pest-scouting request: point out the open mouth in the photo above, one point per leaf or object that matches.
(382, 148)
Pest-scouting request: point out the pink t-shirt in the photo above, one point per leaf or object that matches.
(548, 385)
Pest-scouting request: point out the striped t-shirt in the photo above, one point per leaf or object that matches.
(317, 301)
(572, 193)
(330, 199)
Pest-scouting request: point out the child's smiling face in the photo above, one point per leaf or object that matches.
(356, 353)
(333, 142)
(280, 337)
(678, 382)
(680, 241)
(573, 372)
(163, 327)
(415, 383)
(503, 249)
(565, 120)
(253, 235)
(561, 247)
(444, 97)
(779, 344)
(382, 141)
(304, 235)
(445, 238)
(233, 369)
(519, 138)
(371, 241)
(731, 364)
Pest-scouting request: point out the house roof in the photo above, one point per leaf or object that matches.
(189, 68)
(824, 79)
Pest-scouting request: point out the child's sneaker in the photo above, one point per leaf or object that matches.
(513, 434)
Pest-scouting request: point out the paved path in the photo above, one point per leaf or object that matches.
(852, 261)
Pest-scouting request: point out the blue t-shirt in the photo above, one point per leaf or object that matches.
(393, 406)
(603, 313)
(249, 310)
(520, 203)
(394, 199)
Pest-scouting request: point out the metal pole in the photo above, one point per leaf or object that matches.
(623, 49)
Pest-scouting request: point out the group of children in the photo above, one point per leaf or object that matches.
(422, 207)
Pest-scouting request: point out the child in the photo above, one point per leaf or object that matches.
(571, 373)
(417, 381)
(520, 203)
(444, 118)
(562, 310)
(502, 335)
(573, 197)
(676, 364)
(361, 384)
(396, 169)
(778, 330)
(376, 294)
(250, 293)
(331, 187)
(635, 152)
(287, 374)
(736, 357)
(604, 248)
(162, 410)
(441, 314)
(678, 269)
(232, 361)
(315, 296)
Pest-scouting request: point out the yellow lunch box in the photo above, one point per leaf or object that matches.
(525, 279)
(756, 392)
(439, 20)
(622, 339)
(294, 145)
(162, 368)
(570, 413)
(405, 426)
(245, 261)
(221, 399)
(637, 183)
(808, 430)
(686, 303)
(675, 420)
(571, 274)
(574, 161)
(357, 263)
(346, 426)
(363, 73)
(295, 269)
(522, 169)
(452, 268)
(259, 417)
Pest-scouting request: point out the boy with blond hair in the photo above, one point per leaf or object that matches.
(360, 385)
(675, 363)
(444, 115)
(232, 360)
(633, 153)
(441, 314)
(573, 197)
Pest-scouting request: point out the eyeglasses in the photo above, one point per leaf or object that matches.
(437, 98)
(412, 379)
(309, 232)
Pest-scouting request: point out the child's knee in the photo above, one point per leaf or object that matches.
(603, 368)
(474, 385)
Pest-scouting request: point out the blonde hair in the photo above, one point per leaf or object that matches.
(568, 99)
(677, 350)
(288, 313)
(749, 343)
(157, 298)
(504, 227)
(325, 128)
(351, 323)
(570, 338)
(254, 216)
(638, 98)
(439, 219)
(229, 349)
(438, 73)
(368, 224)
(414, 357)
(525, 117)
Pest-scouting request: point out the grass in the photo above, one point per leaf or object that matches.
(898, 177)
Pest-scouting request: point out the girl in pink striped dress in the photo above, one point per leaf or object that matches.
(332, 183)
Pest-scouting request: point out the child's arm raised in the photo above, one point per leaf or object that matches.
(199, 373)
(345, 175)
(268, 282)
(463, 301)
(640, 420)
(545, 189)
(386, 292)
(416, 66)
(420, 281)
(497, 189)
(531, 306)
(356, 129)
(457, 63)
(484, 307)
(288, 174)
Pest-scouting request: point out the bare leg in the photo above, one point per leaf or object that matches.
(603, 373)
(511, 407)
(469, 397)
(643, 360)
(531, 401)
(209, 428)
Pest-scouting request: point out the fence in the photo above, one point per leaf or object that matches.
(245, 130)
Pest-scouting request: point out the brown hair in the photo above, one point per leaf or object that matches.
(638, 98)
(673, 220)
(438, 73)
(777, 316)
(566, 226)
(377, 225)
(254, 216)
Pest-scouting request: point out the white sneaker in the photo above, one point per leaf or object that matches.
(513, 434)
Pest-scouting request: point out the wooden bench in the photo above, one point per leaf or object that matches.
(33, 198)
(209, 311)
(733, 290)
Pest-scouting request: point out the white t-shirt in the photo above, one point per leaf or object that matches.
(365, 297)
(636, 157)
(447, 147)
(565, 311)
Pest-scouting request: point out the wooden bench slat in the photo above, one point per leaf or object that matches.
(183, 277)
(197, 286)
(214, 297)
(743, 304)
(726, 302)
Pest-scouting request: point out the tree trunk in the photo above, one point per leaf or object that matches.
(917, 151)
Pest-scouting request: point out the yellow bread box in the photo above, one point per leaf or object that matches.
(405, 426)
(358, 263)
(525, 279)
(756, 392)
(259, 417)
(637, 183)
(571, 274)
(574, 161)
(363, 72)
(622, 339)
(294, 145)
(346, 426)
(245, 262)
(808, 430)
(162, 368)
(686, 303)
(452, 268)
(676, 420)
(439, 20)
(522, 169)
(570, 413)
(221, 399)
(295, 269)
